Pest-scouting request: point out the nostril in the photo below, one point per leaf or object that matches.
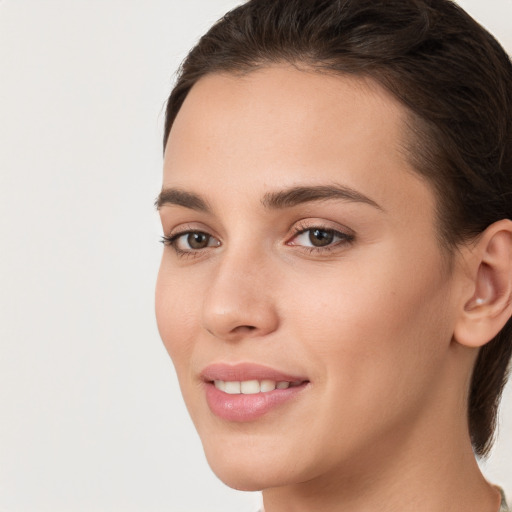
(226, 316)
(242, 328)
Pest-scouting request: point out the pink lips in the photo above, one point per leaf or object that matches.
(247, 407)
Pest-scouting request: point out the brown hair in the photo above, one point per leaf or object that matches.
(451, 74)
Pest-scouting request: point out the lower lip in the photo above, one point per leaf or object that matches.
(242, 408)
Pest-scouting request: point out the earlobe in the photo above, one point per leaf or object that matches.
(489, 305)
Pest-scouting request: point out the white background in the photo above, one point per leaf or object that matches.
(91, 417)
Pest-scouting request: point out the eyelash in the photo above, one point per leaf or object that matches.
(344, 239)
(171, 241)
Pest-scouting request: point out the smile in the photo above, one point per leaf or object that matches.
(252, 387)
(245, 392)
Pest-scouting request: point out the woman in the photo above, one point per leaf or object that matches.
(336, 285)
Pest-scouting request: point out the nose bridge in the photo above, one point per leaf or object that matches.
(239, 301)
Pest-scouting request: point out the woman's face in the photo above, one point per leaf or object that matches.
(302, 252)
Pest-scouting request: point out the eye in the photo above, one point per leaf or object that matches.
(319, 237)
(316, 237)
(190, 241)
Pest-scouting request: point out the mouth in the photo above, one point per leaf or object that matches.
(246, 392)
(253, 387)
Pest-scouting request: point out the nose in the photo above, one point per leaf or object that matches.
(240, 302)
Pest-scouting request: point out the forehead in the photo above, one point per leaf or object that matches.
(283, 102)
(277, 126)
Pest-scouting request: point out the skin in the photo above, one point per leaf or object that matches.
(369, 319)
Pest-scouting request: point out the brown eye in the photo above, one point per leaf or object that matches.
(190, 241)
(198, 240)
(320, 237)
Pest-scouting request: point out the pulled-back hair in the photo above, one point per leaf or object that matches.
(455, 81)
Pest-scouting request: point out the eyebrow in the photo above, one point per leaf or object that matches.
(183, 198)
(299, 195)
(278, 200)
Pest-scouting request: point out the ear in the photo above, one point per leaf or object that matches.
(487, 300)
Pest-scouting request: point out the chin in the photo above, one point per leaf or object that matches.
(242, 482)
(247, 478)
(246, 471)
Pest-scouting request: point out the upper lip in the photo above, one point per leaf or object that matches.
(246, 371)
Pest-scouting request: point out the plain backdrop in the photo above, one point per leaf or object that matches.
(91, 418)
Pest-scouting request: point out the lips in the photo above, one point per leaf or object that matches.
(246, 392)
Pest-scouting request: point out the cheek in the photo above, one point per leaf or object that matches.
(176, 316)
(374, 328)
(375, 340)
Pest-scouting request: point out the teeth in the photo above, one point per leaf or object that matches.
(220, 384)
(267, 385)
(250, 387)
(232, 387)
